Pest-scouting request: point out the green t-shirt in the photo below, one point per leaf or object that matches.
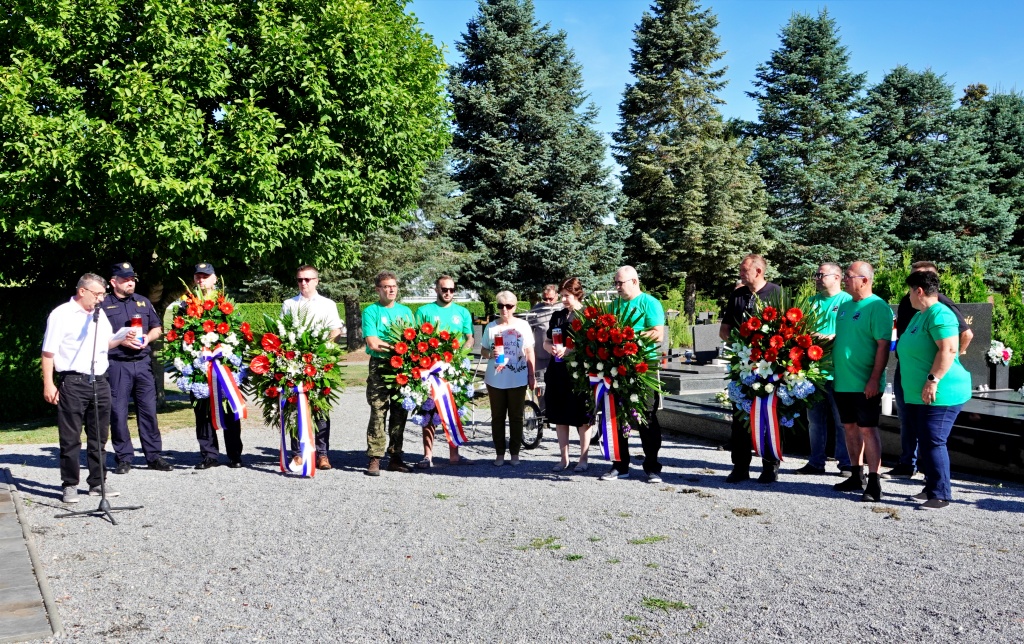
(454, 318)
(859, 327)
(917, 354)
(828, 309)
(378, 319)
(651, 314)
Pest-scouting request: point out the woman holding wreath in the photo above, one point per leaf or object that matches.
(565, 407)
(935, 384)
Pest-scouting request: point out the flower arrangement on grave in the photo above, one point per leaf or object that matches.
(432, 376)
(295, 379)
(999, 354)
(612, 365)
(777, 367)
(205, 346)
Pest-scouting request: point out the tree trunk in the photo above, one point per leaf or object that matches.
(690, 303)
(353, 322)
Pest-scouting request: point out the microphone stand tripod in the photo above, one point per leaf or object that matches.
(104, 509)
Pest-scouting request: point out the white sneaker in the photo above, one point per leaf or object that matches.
(613, 475)
(654, 477)
(71, 494)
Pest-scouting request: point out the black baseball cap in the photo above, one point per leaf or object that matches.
(205, 268)
(124, 269)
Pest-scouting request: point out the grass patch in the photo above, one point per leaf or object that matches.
(746, 512)
(539, 543)
(631, 618)
(353, 374)
(560, 519)
(614, 560)
(441, 496)
(892, 513)
(178, 415)
(593, 539)
(702, 494)
(625, 515)
(654, 538)
(656, 603)
(653, 565)
(573, 557)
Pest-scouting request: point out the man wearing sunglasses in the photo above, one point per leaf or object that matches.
(447, 315)
(321, 313)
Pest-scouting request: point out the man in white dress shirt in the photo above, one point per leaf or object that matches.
(323, 312)
(73, 329)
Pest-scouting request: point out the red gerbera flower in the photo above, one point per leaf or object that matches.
(434, 343)
(616, 336)
(569, 343)
(209, 326)
(401, 348)
(769, 313)
(794, 315)
(602, 353)
(309, 370)
(576, 324)
(771, 355)
(630, 348)
(618, 351)
(192, 311)
(445, 335)
(753, 324)
(455, 344)
(448, 356)
(592, 334)
(425, 362)
(208, 305)
(427, 328)
(189, 337)
(227, 308)
(776, 341)
(409, 334)
(804, 341)
(628, 333)
(402, 379)
(814, 352)
(397, 362)
(223, 328)
(744, 331)
(171, 336)
(590, 313)
(641, 367)
(416, 373)
(796, 353)
(603, 335)
(179, 322)
(421, 347)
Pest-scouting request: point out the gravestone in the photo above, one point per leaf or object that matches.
(706, 342)
(979, 317)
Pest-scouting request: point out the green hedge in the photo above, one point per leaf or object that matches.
(23, 313)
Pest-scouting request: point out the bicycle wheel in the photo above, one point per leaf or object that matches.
(533, 425)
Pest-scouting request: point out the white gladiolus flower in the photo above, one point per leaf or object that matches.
(634, 398)
(769, 388)
(765, 329)
(615, 372)
(755, 386)
(600, 366)
(208, 339)
(232, 339)
(615, 384)
(574, 364)
(178, 364)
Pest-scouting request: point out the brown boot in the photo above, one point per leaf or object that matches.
(398, 465)
(373, 469)
(322, 463)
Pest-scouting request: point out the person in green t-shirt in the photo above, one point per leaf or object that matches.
(860, 353)
(444, 314)
(829, 282)
(935, 384)
(651, 324)
(377, 318)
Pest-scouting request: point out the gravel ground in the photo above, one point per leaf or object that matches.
(475, 553)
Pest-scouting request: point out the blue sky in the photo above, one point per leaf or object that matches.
(969, 42)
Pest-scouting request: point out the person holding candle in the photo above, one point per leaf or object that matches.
(131, 372)
(508, 343)
(565, 407)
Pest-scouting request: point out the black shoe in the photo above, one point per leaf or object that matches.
(160, 464)
(207, 463)
(769, 474)
(873, 490)
(123, 467)
(920, 496)
(845, 471)
(809, 469)
(934, 504)
(900, 472)
(852, 484)
(236, 464)
(738, 475)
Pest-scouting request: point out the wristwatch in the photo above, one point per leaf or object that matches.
(932, 378)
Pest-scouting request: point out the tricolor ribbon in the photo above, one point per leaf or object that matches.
(222, 387)
(604, 406)
(444, 402)
(764, 424)
(305, 465)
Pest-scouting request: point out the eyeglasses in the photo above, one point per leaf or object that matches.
(445, 289)
(549, 300)
(819, 276)
(97, 294)
(303, 280)
(853, 277)
(617, 283)
(506, 306)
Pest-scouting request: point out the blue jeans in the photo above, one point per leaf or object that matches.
(908, 441)
(817, 427)
(931, 425)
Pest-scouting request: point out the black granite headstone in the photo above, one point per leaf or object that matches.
(705, 342)
(979, 316)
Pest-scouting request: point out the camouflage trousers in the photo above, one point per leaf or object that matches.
(378, 394)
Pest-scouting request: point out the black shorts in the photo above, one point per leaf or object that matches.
(855, 408)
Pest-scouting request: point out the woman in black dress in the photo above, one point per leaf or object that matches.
(565, 407)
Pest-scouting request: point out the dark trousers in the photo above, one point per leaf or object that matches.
(133, 379)
(508, 403)
(323, 437)
(74, 408)
(384, 411)
(650, 440)
(908, 438)
(742, 447)
(931, 425)
(207, 437)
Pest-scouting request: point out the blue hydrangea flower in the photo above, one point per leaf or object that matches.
(469, 391)
(749, 379)
(745, 405)
(235, 360)
(186, 370)
(463, 412)
(783, 395)
(408, 404)
(735, 391)
(786, 421)
(200, 390)
(428, 404)
(436, 420)
(802, 389)
(182, 384)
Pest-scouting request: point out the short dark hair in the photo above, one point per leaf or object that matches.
(384, 275)
(926, 280)
(572, 285)
(307, 267)
(924, 266)
(438, 281)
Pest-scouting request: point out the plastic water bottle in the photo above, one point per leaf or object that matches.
(887, 399)
(892, 343)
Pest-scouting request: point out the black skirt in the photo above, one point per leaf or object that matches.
(563, 405)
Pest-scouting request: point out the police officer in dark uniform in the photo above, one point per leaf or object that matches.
(131, 373)
(206, 279)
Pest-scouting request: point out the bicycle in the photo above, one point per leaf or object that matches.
(533, 415)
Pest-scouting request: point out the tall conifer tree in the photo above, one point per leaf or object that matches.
(827, 195)
(540, 203)
(946, 212)
(695, 204)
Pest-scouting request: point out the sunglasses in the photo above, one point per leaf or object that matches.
(819, 276)
(303, 280)
(617, 283)
(506, 306)
(445, 289)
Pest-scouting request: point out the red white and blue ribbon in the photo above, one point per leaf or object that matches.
(604, 406)
(444, 402)
(222, 387)
(764, 424)
(306, 465)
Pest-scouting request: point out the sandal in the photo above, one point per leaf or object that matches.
(580, 467)
(560, 467)
(425, 464)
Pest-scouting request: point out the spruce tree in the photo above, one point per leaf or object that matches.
(540, 203)
(827, 195)
(696, 206)
(941, 175)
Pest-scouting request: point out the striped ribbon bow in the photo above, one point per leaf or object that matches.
(305, 463)
(444, 402)
(222, 387)
(764, 424)
(604, 406)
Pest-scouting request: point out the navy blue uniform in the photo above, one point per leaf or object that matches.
(131, 375)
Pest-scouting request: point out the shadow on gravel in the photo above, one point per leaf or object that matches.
(50, 458)
(1000, 505)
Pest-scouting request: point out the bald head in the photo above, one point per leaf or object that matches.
(627, 282)
(858, 280)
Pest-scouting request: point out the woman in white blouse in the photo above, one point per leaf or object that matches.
(507, 343)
